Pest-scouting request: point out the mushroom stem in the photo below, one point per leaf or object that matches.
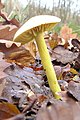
(47, 65)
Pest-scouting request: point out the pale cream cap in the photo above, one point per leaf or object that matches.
(36, 24)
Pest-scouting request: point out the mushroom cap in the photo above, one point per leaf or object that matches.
(33, 26)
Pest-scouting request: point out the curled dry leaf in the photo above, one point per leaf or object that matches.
(23, 56)
(8, 47)
(8, 43)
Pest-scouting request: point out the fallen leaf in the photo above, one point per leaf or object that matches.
(8, 43)
(3, 65)
(72, 70)
(25, 76)
(54, 40)
(59, 110)
(63, 84)
(31, 46)
(76, 78)
(63, 55)
(15, 22)
(7, 110)
(66, 33)
(53, 43)
(7, 46)
(41, 98)
(7, 31)
(76, 43)
(60, 70)
(74, 89)
(3, 14)
(17, 117)
(21, 57)
(2, 85)
(77, 62)
(13, 52)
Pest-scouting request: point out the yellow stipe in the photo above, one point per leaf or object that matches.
(47, 64)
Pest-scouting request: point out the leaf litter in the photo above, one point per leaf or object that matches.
(24, 91)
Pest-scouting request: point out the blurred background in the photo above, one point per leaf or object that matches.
(67, 10)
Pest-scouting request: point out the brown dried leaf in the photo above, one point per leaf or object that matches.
(31, 46)
(2, 85)
(77, 62)
(76, 43)
(7, 110)
(64, 55)
(7, 31)
(28, 78)
(60, 110)
(53, 43)
(66, 33)
(41, 98)
(15, 22)
(73, 35)
(60, 70)
(17, 117)
(54, 36)
(19, 55)
(3, 65)
(4, 16)
(8, 46)
(8, 43)
(74, 89)
(73, 71)
(54, 40)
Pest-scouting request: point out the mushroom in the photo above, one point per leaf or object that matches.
(34, 28)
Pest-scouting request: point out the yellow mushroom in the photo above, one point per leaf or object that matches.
(34, 28)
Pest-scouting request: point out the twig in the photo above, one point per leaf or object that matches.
(30, 106)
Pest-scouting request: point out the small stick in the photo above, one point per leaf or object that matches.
(30, 106)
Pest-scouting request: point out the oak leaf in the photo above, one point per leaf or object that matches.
(66, 33)
(7, 31)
